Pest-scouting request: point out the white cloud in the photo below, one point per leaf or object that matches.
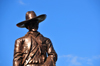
(21, 2)
(74, 61)
(89, 59)
(90, 63)
(96, 57)
(79, 61)
(64, 56)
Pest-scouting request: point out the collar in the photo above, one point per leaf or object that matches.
(34, 33)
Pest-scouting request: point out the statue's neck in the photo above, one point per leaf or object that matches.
(33, 30)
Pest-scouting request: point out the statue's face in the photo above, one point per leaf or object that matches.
(32, 25)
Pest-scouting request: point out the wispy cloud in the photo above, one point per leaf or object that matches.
(79, 61)
(21, 2)
(90, 63)
(74, 61)
(96, 57)
(64, 56)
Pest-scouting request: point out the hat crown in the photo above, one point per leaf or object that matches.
(30, 15)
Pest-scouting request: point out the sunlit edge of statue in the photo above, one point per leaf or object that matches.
(33, 49)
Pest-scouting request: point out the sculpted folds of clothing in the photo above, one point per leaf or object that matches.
(27, 48)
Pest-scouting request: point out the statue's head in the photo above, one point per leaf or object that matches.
(31, 21)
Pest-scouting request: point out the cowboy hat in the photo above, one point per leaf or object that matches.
(31, 16)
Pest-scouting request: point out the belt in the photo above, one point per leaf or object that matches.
(35, 65)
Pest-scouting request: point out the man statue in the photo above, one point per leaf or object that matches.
(33, 49)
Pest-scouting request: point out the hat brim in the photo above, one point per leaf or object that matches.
(40, 18)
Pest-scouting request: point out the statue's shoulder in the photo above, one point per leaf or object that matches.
(42, 37)
(21, 39)
(46, 39)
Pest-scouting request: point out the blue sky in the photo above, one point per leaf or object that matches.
(72, 25)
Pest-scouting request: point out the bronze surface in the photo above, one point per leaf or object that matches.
(34, 49)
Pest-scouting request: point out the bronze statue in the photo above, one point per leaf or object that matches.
(33, 49)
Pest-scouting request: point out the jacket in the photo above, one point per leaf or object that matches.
(33, 48)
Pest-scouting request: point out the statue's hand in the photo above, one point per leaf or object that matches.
(49, 62)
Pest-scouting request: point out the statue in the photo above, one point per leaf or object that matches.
(33, 49)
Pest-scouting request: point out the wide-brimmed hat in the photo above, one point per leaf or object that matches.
(31, 16)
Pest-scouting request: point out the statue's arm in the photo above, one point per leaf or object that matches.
(17, 53)
(52, 55)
